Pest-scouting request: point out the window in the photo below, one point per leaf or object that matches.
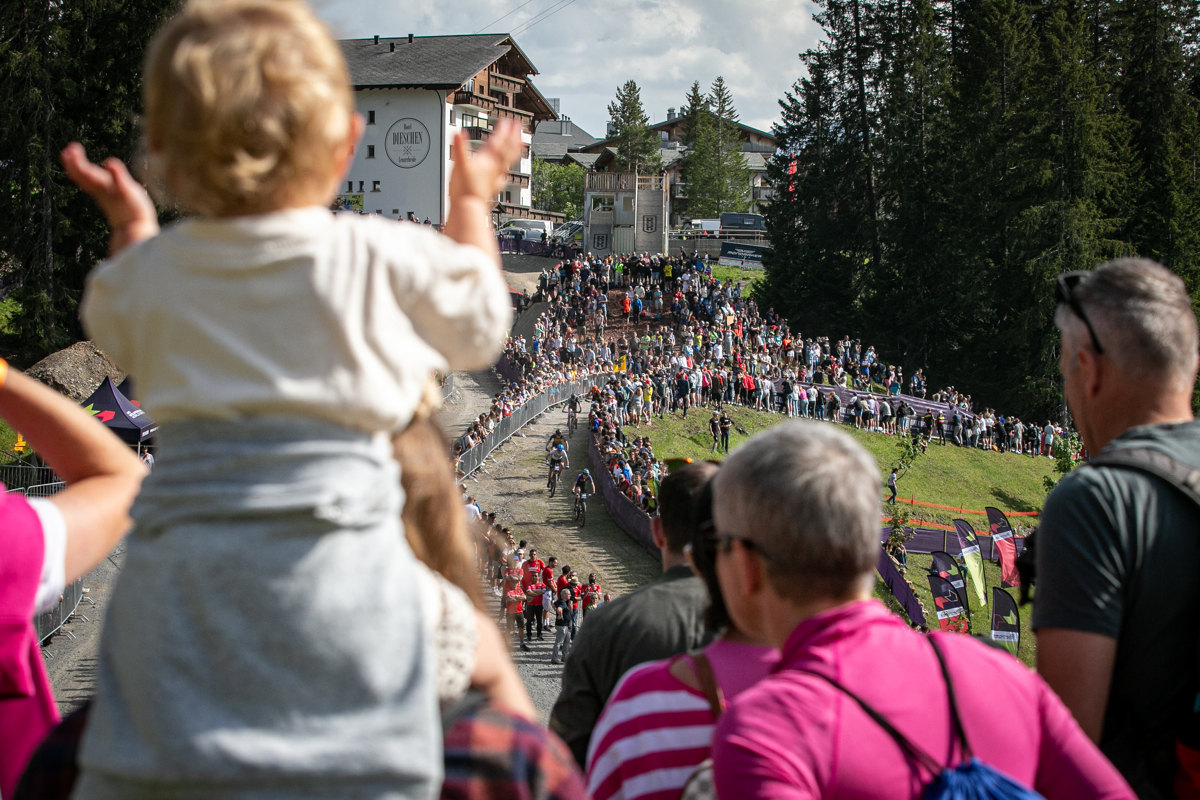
(371, 117)
(508, 197)
(349, 186)
(452, 116)
(396, 213)
(360, 186)
(374, 186)
(602, 202)
(627, 203)
(370, 151)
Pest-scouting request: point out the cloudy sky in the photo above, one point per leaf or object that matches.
(584, 50)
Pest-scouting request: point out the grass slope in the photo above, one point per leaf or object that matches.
(946, 475)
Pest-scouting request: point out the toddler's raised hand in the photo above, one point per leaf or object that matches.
(124, 201)
(485, 172)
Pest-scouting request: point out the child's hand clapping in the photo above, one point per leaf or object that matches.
(485, 172)
(126, 206)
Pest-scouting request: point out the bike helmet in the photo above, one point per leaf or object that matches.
(558, 433)
(587, 472)
(559, 447)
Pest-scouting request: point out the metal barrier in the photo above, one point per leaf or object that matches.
(20, 476)
(472, 460)
(629, 518)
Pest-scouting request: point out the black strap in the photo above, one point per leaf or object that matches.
(912, 750)
(1183, 477)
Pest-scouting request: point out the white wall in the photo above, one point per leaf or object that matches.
(410, 166)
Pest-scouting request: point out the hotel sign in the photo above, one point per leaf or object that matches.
(407, 142)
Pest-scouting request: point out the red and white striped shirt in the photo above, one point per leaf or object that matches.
(654, 730)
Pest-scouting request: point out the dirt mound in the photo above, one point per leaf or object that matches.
(76, 371)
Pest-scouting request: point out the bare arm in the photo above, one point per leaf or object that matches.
(474, 182)
(102, 474)
(1078, 667)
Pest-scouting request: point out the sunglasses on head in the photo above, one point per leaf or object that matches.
(1064, 292)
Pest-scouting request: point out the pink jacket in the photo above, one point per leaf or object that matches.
(27, 708)
(792, 735)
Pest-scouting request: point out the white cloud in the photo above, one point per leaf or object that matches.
(585, 50)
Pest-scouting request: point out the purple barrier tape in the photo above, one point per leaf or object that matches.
(629, 518)
(900, 589)
(926, 540)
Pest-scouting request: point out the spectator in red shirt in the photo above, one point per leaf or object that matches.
(531, 570)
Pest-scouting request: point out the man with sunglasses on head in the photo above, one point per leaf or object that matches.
(1118, 591)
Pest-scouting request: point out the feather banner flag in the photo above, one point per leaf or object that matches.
(1006, 547)
(971, 557)
(1006, 620)
(947, 567)
(951, 613)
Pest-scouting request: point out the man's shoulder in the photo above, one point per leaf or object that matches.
(671, 584)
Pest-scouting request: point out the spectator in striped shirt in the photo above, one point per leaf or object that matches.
(657, 726)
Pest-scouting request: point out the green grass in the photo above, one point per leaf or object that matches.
(918, 567)
(946, 475)
(749, 277)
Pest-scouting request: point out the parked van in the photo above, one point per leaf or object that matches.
(703, 227)
(531, 228)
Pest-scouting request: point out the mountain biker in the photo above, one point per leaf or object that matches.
(556, 439)
(557, 459)
(584, 485)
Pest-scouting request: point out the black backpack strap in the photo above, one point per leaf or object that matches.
(1183, 477)
(959, 731)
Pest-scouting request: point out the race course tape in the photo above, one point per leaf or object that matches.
(911, 502)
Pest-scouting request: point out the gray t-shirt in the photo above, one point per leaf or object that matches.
(1118, 554)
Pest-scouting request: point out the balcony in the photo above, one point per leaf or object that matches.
(508, 112)
(468, 97)
(477, 133)
(764, 193)
(517, 179)
(504, 83)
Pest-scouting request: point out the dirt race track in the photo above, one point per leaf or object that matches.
(513, 486)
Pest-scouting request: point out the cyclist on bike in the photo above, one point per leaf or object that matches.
(558, 460)
(555, 440)
(584, 485)
(573, 403)
(573, 411)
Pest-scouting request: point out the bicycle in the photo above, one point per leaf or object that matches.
(581, 508)
(572, 421)
(554, 478)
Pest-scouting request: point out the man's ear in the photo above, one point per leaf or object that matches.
(656, 532)
(1094, 371)
(754, 576)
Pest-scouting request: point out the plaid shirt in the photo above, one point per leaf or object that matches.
(491, 754)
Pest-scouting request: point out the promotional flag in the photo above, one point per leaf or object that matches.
(951, 614)
(971, 557)
(1006, 620)
(947, 567)
(1006, 547)
(900, 589)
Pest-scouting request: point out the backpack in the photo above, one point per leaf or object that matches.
(969, 780)
(1186, 479)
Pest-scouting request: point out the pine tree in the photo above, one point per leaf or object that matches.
(67, 71)
(732, 176)
(637, 146)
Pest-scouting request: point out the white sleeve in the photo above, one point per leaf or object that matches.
(54, 557)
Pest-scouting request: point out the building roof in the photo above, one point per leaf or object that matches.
(553, 132)
(585, 160)
(427, 62)
(549, 151)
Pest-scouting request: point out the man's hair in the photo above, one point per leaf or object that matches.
(246, 102)
(1143, 318)
(676, 500)
(808, 494)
